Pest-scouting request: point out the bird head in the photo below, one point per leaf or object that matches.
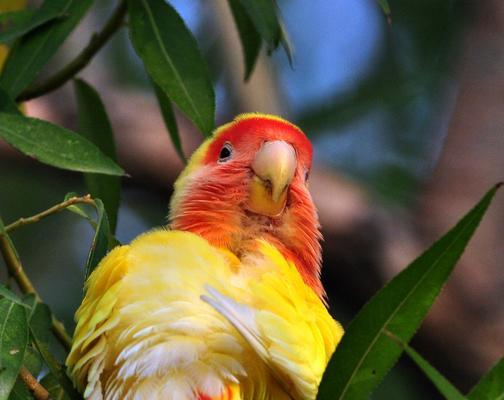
(249, 181)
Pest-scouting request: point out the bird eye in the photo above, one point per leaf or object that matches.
(307, 175)
(226, 152)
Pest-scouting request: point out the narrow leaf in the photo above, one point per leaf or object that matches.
(171, 55)
(386, 9)
(444, 386)
(52, 385)
(491, 386)
(7, 294)
(79, 210)
(13, 342)
(53, 145)
(100, 245)
(264, 15)
(365, 355)
(25, 21)
(249, 37)
(20, 391)
(55, 368)
(7, 104)
(29, 55)
(169, 120)
(95, 126)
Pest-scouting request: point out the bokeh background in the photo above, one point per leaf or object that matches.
(406, 113)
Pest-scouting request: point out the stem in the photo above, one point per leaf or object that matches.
(96, 42)
(16, 269)
(17, 272)
(54, 209)
(38, 391)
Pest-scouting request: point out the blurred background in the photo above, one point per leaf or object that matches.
(406, 115)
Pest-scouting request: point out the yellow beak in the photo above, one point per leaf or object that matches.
(274, 166)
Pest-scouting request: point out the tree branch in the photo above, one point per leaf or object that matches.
(97, 41)
(17, 272)
(57, 208)
(15, 267)
(38, 391)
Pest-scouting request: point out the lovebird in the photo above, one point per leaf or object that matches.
(226, 302)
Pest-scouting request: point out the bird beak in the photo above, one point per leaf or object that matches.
(274, 166)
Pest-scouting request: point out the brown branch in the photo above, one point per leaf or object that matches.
(97, 41)
(16, 269)
(38, 391)
(57, 208)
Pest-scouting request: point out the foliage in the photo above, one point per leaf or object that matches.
(376, 337)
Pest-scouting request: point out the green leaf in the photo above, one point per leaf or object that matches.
(33, 51)
(169, 120)
(491, 386)
(79, 209)
(7, 104)
(171, 55)
(365, 355)
(55, 368)
(13, 342)
(20, 391)
(53, 145)
(249, 37)
(7, 294)
(444, 386)
(52, 385)
(26, 21)
(95, 126)
(100, 245)
(385, 8)
(263, 13)
(11, 18)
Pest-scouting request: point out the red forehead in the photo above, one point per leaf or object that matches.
(247, 135)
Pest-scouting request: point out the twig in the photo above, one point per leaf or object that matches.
(57, 208)
(38, 391)
(96, 42)
(15, 267)
(17, 272)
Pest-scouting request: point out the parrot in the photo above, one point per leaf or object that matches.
(226, 301)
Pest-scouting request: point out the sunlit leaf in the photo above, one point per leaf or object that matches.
(169, 120)
(95, 126)
(54, 145)
(365, 354)
(29, 54)
(491, 386)
(171, 55)
(444, 386)
(21, 22)
(249, 37)
(13, 342)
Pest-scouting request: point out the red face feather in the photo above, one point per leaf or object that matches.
(213, 200)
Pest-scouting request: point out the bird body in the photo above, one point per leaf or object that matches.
(218, 306)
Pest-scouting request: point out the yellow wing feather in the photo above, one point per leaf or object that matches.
(285, 322)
